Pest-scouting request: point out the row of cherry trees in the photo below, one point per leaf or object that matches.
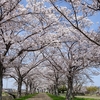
(53, 42)
(23, 29)
(71, 60)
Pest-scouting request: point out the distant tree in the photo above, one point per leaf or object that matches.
(92, 89)
(52, 74)
(31, 82)
(62, 89)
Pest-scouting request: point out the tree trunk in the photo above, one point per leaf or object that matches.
(26, 88)
(49, 90)
(52, 89)
(69, 94)
(57, 93)
(34, 90)
(56, 86)
(38, 90)
(19, 87)
(1, 77)
(56, 89)
(30, 87)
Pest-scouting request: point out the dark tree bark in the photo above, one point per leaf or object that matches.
(26, 85)
(38, 90)
(69, 94)
(0, 83)
(1, 77)
(30, 85)
(26, 89)
(48, 90)
(34, 90)
(19, 86)
(56, 88)
(52, 89)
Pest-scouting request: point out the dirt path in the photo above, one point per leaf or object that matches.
(40, 96)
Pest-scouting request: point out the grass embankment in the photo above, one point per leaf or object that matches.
(26, 97)
(85, 99)
(88, 97)
(63, 98)
(56, 97)
(5, 94)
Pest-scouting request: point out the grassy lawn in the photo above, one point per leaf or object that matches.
(76, 98)
(26, 97)
(5, 94)
(89, 97)
(56, 97)
(85, 99)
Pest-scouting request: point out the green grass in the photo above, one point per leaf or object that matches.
(85, 99)
(5, 94)
(26, 97)
(56, 97)
(88, 98)
(63, 98)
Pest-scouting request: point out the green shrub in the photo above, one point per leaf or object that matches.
(62, 89)
(92, 89)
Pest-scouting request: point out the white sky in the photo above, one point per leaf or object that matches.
(10, 83)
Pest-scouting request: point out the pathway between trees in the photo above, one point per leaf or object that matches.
(40, 96)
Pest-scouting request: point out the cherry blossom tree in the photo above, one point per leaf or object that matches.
(20, 70)
(21, 25)
(75, 59)
(31, 81)
(80, 81)
(7, 14)
(71, 57)
(76, 14)
(53, 75)
(64, 34)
